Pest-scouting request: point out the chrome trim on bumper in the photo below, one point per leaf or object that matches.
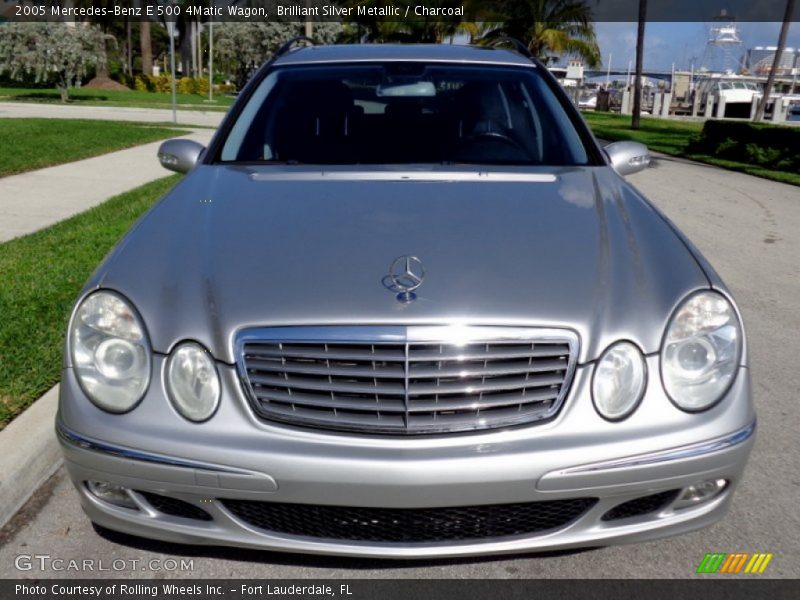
(67, 436)
(690, 451)
(681, 452)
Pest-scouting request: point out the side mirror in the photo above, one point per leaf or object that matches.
(179, 155)
(628, 157)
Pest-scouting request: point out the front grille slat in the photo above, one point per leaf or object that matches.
(317, 352)
(479, 385)
(492, 369)
(322, 369)
(383, 422)
(323, 385)
(406, 387)
(494, 401)
(476, 354)
(332, 400)
(410, 525)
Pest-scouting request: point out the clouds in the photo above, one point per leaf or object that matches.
(679, 43)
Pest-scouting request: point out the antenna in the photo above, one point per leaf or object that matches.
(723, 41)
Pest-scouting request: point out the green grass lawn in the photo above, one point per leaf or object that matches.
(89, 97)
(30, 144)
(672, 137)
(660, 135)
(41, 275)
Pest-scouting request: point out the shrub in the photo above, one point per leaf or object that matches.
(163, 83)
(772, 146)
(725, 145)
(762, 156)
(143, 83)
(186, 85)
(126, 79)
(201, 86)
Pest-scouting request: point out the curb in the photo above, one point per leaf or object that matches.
(29, 454)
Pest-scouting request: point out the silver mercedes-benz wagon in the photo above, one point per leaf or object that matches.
(404, 305)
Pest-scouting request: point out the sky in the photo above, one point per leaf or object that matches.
(679, 43)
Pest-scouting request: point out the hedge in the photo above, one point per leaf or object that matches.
(163, 83)
(771, 146)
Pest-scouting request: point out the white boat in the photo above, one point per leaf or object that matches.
(734, 91)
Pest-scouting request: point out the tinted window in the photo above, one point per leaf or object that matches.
(398, 113)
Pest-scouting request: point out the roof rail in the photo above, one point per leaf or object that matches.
(518, 45)
(292, 42)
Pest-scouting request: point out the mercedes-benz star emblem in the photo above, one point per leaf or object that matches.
(407, 274)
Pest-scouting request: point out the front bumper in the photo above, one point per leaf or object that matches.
(235, 456)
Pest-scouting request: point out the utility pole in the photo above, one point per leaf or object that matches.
(171, 32)
(309, 22)
(787, 17)
(637, 84)
(211, 60)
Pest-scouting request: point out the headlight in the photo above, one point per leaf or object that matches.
(701, 351)
(619, 380)
(110, 351)
(192, 381)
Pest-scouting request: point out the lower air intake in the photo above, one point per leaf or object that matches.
(409, 525)
(175, 507)
(640, 506)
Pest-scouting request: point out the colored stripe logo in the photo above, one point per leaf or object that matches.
(738, 562)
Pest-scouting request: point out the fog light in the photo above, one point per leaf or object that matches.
(111, 493)
(700, 492)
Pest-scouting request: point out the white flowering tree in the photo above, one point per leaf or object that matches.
(242, 47)
(54, 53)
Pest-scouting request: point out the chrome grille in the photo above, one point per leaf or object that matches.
(406, 380)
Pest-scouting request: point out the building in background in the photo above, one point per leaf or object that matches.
(759, 60)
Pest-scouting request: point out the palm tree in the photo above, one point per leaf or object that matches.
(145, 43)
(411, 30)
(146, 47)
(787, 17)
(637, 83)
(478, 20)
(550, 27)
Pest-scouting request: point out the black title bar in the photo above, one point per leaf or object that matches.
(712, 588)
(381, 10)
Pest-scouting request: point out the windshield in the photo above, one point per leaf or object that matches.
(404, 113)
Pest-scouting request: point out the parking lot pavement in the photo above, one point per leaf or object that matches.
(19, 110)
(36, 199)
(750, 230)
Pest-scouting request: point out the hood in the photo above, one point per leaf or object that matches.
(237, 247)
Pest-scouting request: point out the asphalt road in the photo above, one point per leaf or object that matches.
(750, 230)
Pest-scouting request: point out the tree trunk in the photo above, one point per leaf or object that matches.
(63, 88)
(195, 47)
(185, 40)
(102, 65)
(787, 17)
(128, 48)
(146, 46)
(637, 83)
